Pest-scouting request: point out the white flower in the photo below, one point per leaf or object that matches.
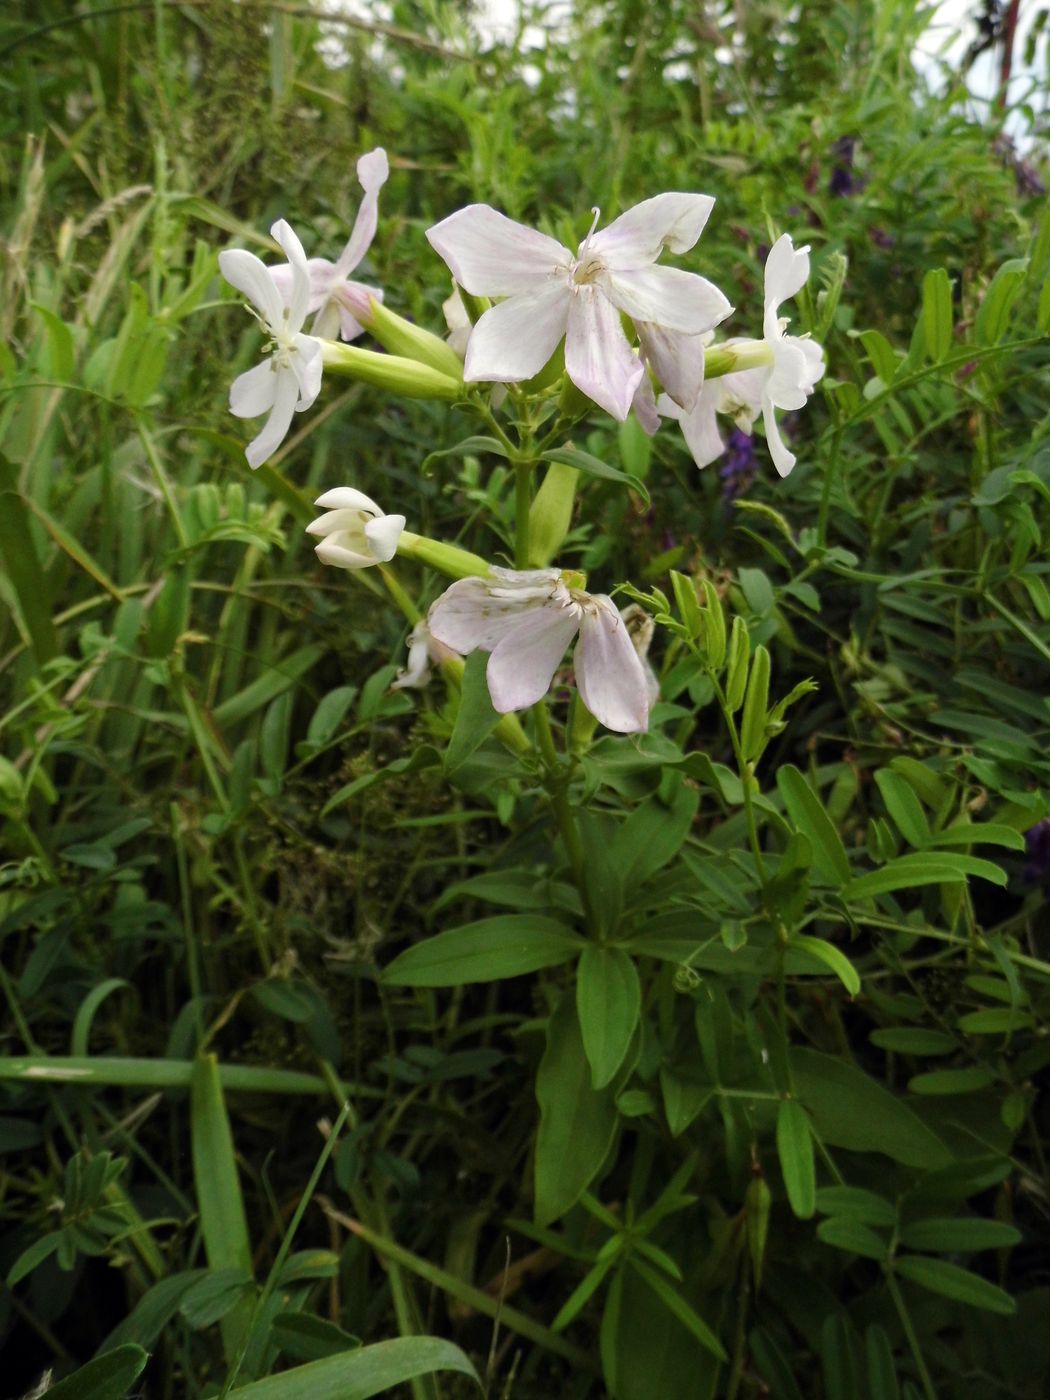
(355, 534)
(290, 379)
(527, 619)
(457, 321)
(551, 293)
(796, 366)
(336, 299)
(423, 650)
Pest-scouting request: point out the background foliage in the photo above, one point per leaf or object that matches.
(803, 1154)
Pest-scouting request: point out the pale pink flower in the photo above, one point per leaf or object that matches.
(424, 651)
(550, 293)
(527, 619)
(337, 300)
(795, 367)
(290, 379)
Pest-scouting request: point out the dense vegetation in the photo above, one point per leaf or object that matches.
(232, 1136)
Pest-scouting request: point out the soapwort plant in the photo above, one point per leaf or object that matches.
(541, 339)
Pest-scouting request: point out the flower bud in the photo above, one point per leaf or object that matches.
(404, 338)
(393, 372)
(448, 559)
(551, 514)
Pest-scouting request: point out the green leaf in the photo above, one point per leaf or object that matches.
(853, 1237)
(832, 957)
(426, 756)
(881, 1366)
(903, 806)
(951, 1281)
(506, 945)
(222, 1219)
(214, 1296)
(362, 1373)
(996, 1020)
(914, 1040)
(976, 833)
(906, 872)
(608, 1002)
(994, 312)
(306, 1337)
(594, 466)
(33, 1255)
(795, 1150)
(78, 1041)
(854, 1203)
(468, 447)
(653, 835)
(952, 1081)
(960, 1234)
(278, 677)
(107, 1377)
(677, 1305)
(475, 717)
(577, 1121)
(883, 357)
(153, 1311)
(23, 567)
(849, 1109)
(688, 604)
(937, 313)
(808, 815)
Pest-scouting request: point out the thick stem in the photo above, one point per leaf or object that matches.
(522, 509)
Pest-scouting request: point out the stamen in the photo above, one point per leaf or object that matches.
(590, 233)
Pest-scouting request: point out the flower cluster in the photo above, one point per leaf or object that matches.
(528, 317)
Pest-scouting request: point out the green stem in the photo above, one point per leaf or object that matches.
(558, 797)
(913, 1341)
(522, 508)
(157, 467)
(398, 594)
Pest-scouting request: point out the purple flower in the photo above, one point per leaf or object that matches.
(1037, 848)
(738, 470)
(844, 180)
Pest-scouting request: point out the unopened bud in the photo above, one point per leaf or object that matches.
(393, 372)
(448, 559)
(729, 359)
(405, 338)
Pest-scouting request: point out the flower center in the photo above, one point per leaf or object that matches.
(588, 265)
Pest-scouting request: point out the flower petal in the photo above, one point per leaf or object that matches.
(320, 270)
(333, 549)
(254, 391)
(669, 297)
(417, 672)
(699, 425)
(783, 458)
(598, 359)
(491, 255)
(383, 535)
(373, 171)
(639, 235)
(307, 364)
(244, 271)
(786, 383)
(739, 395)
(467, 616)
(787, 269)
(347, 498)
(676, 359)
(609, 672)
(514, 340)
(523, 663)
(279, 421)
(644, 405)
(299, 300)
